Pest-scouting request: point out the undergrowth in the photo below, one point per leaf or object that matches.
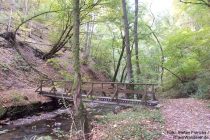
(135, 124)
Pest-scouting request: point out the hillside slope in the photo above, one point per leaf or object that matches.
(26, 68)
(15, 72)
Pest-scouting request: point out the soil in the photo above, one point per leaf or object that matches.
(18, 79)
(21, 97)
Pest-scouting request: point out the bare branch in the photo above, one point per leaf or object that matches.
(37, 43)
(200, 2)
(46, 12)
(182, 81)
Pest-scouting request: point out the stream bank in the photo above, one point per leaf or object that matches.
(15, 112)
(46, 125)
(16, 104)
(37, 117)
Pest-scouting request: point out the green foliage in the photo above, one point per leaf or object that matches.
(202, 17)
(43, 138)
(54, 62)
(203, 83)
(203, 92)
(66, 75)
(4, 67)
(101, 57)
(185, 47)
(191, 49)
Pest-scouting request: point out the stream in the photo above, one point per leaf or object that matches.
(50, 125)
(54, 125)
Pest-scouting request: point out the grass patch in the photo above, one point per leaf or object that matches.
(18, 99)
(135, 124)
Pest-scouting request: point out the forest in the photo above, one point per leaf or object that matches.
(104, 69)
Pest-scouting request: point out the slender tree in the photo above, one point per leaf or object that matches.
(81, 113)
(127, 42)
(77, 78)
(119, 60)
(89, 34)
(162, 54)
(138, 71)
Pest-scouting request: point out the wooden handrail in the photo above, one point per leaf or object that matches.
(89, 87)
(41, 86)
(91, 90)
(119, 83)
(89, 82)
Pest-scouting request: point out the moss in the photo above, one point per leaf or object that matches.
(18, 99)
(45, 138)
(2, 111)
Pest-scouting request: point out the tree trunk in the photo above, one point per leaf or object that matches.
(127, 42)
(88, 40)
(81, 113)
(162, 57)
(26, 8)
(77, 78)
(138, 71)
(113, 53)
(122, 75)
(87, 37)
(119, 60)
(10, 21)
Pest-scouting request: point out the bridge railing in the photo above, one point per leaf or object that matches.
(90, 87)
(54, 85)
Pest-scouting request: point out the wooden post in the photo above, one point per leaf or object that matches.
(39, 89)
(91, 90)
(41, 85)
(144, 98)
(153, 93)
(53, 88)
(67, 87)
(116, 92)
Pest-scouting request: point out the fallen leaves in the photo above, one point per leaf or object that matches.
(185, 115)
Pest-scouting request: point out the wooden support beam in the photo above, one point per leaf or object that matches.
(153, 93)
(39, 89)
(144, 98)
(91, 90)
(115, 92)
(53, 90)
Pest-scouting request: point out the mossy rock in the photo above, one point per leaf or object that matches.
(18, 111)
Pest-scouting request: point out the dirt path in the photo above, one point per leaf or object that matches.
(186, 117)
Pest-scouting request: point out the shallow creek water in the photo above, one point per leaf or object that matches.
(51, 125)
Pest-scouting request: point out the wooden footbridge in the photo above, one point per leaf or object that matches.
(101, 92)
